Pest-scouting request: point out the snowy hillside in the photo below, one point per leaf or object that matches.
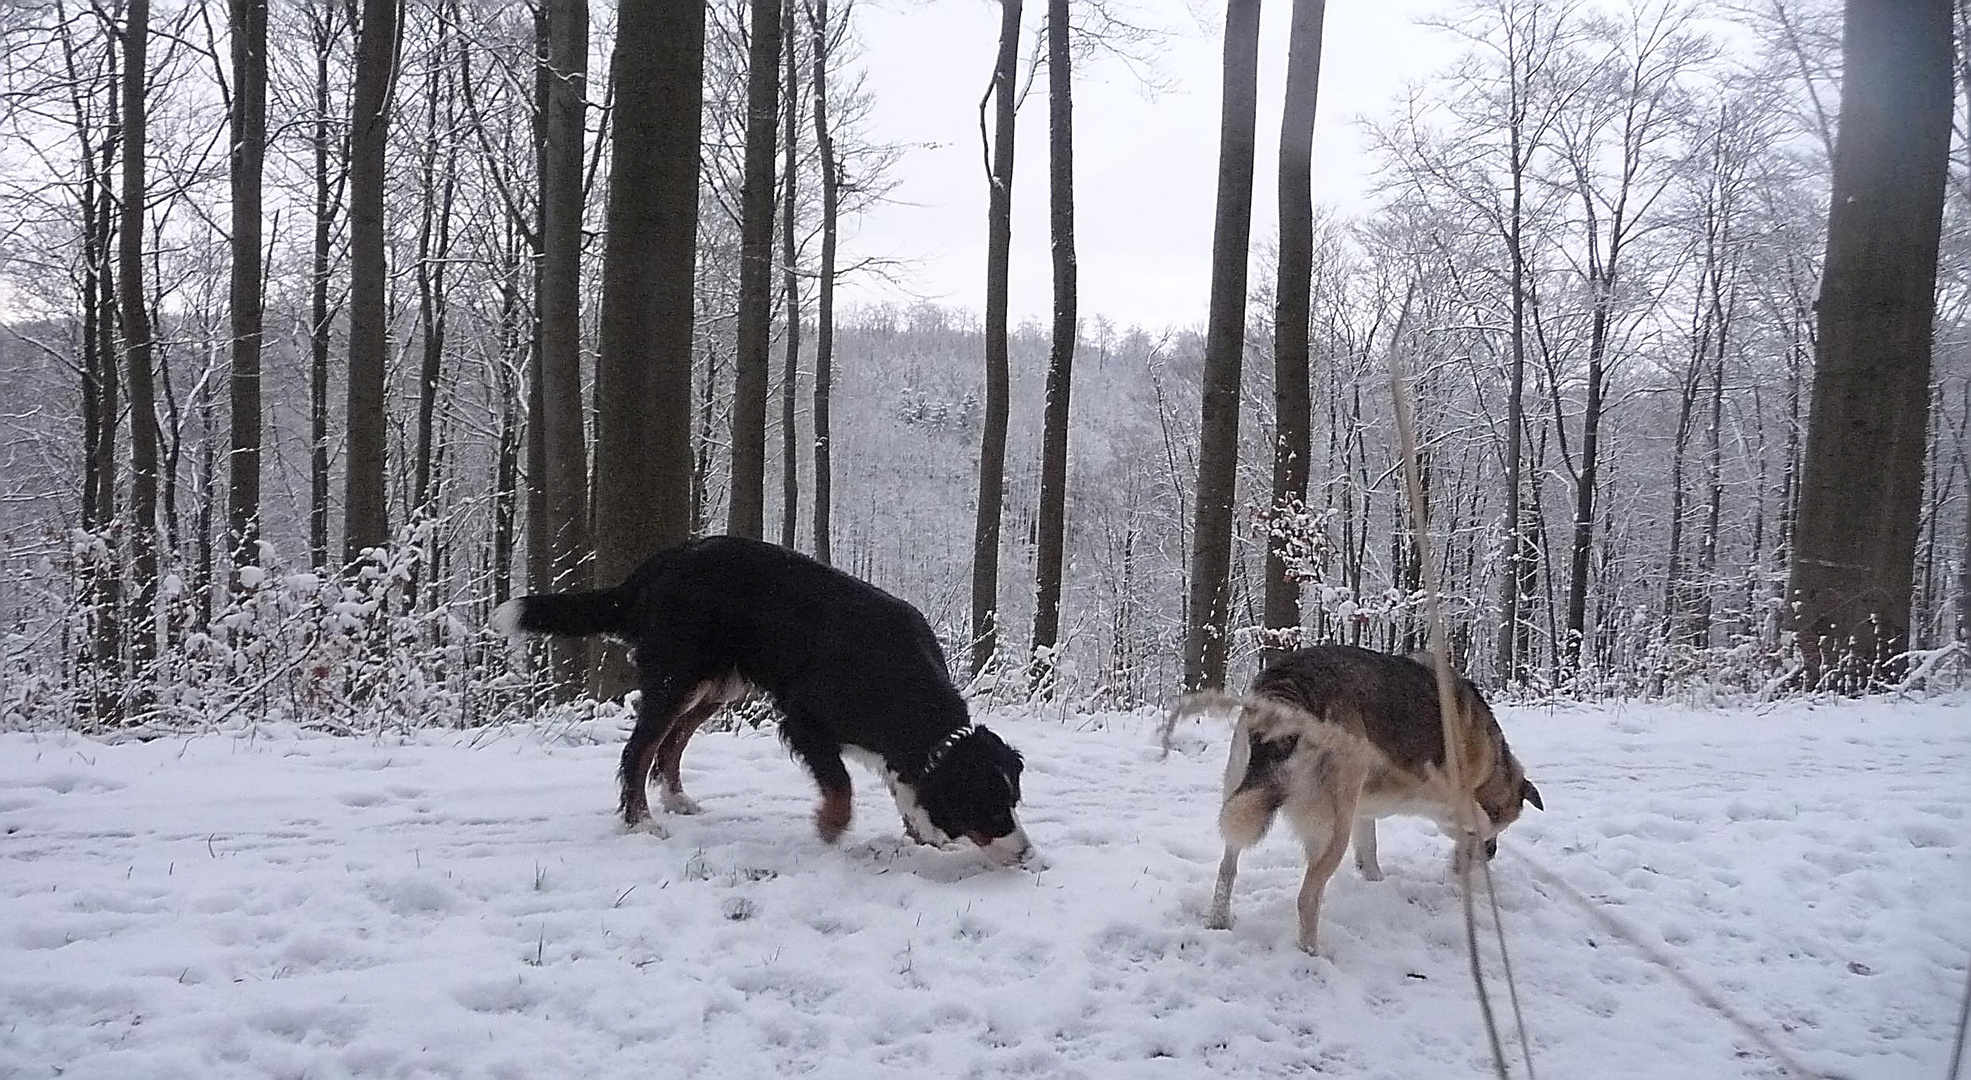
(464, 905)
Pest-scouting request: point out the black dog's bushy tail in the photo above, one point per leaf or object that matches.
(571, 614)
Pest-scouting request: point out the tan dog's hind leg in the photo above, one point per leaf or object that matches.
(1320, 867)
(1220, 915)
(1365, 849)
(1243, 819)
(1328, 795)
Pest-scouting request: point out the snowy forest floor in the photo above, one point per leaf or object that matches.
(263, 903)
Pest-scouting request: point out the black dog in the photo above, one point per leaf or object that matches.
(850, 667)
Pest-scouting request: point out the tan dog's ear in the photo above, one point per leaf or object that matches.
(1531, 794)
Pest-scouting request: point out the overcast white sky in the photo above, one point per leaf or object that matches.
(1145, 168)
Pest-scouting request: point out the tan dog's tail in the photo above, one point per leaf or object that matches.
(1262, 718)
(1273, 743)
(1197, 704)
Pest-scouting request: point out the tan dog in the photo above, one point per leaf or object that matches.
(1338, 736)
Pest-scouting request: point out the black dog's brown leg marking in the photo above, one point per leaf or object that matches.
(670, 753)
(823, 756)
(831, 818)
(656, 712)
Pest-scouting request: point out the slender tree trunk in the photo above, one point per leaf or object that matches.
(506, 469)
(643, 366)
(138, 348)
(790, 285)
(1218, 439)
(999, 248)
(1584, 491)
(171, 444)
(92, 374)
(97, 378)
(1674, 590)
(365, 513)
(108, 360)
(824, 312)
(208, 495)
(434, 244)
(1714, 467)
(322, 30)
(1512, 670)
(1789, 503)
(1292, 403)
(561, 88)
(701, 465)
(249, 134)
(1060, 359)
(746, 505)
(1963, 612)
(1861, 489)
(540, 520)
(101, 587)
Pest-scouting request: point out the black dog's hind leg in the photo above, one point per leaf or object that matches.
(823, 756)
(670, 753)
(662, 701)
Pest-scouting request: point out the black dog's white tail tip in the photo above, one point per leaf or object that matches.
(506, 620)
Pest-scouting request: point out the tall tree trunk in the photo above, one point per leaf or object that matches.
(1714, 471)
(322, 34)
(1582, 544)
(138, 348)
(434, 250)
(101, 586)
(999, 261)
(643, 366)
(540, 521)
(746, 505)
(506, 469)
(249, 133)
(1218, 437)
(208, 492)
(1861, 487)
(561, 89)
(98, 378)
(701, 462)
(1048, 570)
(824, 304)
(365, 512)
(92, 373)
(1292, 403)
(1511, 666)
(1963, 611)
(790, 286)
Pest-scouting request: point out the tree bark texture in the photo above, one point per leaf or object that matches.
(790, 286)
(746, 507)
(824, 305)
(1292, 400)
(1052, 539)
(1218, 439)
(999, 261)
(561, 89)
(137, 344)
(245, 165)
(437, 184)
(1861, 486)
(643, 371)
(322, 31)
(365, 510)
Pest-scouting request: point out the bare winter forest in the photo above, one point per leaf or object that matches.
(327, 325)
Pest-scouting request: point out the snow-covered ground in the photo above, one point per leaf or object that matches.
(265, 904)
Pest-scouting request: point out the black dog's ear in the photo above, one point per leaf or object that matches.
(1531, 794)
(1018, 762)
